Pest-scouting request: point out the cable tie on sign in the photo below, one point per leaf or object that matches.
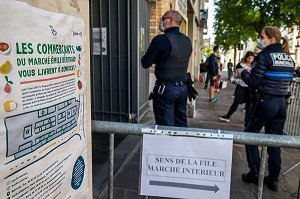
(155, 128)
(219, 133)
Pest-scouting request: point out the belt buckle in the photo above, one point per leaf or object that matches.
(176, 83)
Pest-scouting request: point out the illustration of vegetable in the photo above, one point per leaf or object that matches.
(5, 68)
(79, 60)
(78, 73)
(4, 48)
(79, 84)
(7, 87)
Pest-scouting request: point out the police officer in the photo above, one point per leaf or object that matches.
(270, 77)
(170, 52)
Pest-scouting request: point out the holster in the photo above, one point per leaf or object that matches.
(192, 93)
(151, 96)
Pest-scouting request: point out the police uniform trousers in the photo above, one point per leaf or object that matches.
(169, 104)
(269, 112)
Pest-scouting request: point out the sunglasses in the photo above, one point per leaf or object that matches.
(163, 18)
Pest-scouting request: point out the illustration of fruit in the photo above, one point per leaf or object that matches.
(4, 47)
(5, 68)
(10, 105)
(7, 87)
(79, 84)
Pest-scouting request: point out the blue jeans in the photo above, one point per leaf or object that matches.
(270, 113)
(170, 105)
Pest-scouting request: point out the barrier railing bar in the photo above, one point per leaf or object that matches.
(238, 137)
(111, 166)
(262, 172)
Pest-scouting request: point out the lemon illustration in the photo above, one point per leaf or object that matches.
(5, 68)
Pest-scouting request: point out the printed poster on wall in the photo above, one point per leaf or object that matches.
(43, 141)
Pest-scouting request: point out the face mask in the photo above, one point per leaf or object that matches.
(161, 26)
(261, 44)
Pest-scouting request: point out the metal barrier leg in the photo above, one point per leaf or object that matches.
(262, 172)
(298, 197)
(111, 166)
(290, 169)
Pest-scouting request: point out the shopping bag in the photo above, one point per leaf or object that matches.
(223, 85)
(201, 78)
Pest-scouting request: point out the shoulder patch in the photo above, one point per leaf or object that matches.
(282, 59)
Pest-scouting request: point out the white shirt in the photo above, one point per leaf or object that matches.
(240, 81)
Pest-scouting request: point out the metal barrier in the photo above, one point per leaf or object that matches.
(292, 123)
(238, 137)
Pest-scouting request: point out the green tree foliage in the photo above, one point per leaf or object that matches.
(208, 51)
(240, 20)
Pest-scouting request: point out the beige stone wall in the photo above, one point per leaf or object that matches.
(157, 9)
(78, 8)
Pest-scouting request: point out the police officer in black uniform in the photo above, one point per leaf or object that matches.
(270, 78)
(170, 52)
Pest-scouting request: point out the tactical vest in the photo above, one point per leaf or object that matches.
(176, 66)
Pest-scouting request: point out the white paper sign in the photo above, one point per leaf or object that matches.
(185, 167)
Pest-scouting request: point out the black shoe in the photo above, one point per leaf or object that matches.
(272, 184)
(250, 178)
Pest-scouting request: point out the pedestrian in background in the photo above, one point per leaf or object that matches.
(170, 52)
(207, 74)
(229, 69)
(217, 85)
(242, 92)
(271, 75)
(213, 74)
(203, 71)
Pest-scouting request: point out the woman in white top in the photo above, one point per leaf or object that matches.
(242, 92)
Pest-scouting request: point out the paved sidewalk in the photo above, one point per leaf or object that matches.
(126, 183)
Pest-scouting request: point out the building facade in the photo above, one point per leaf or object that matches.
(294, 43)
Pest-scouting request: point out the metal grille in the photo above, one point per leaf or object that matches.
(292, 123)
(119, 87)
